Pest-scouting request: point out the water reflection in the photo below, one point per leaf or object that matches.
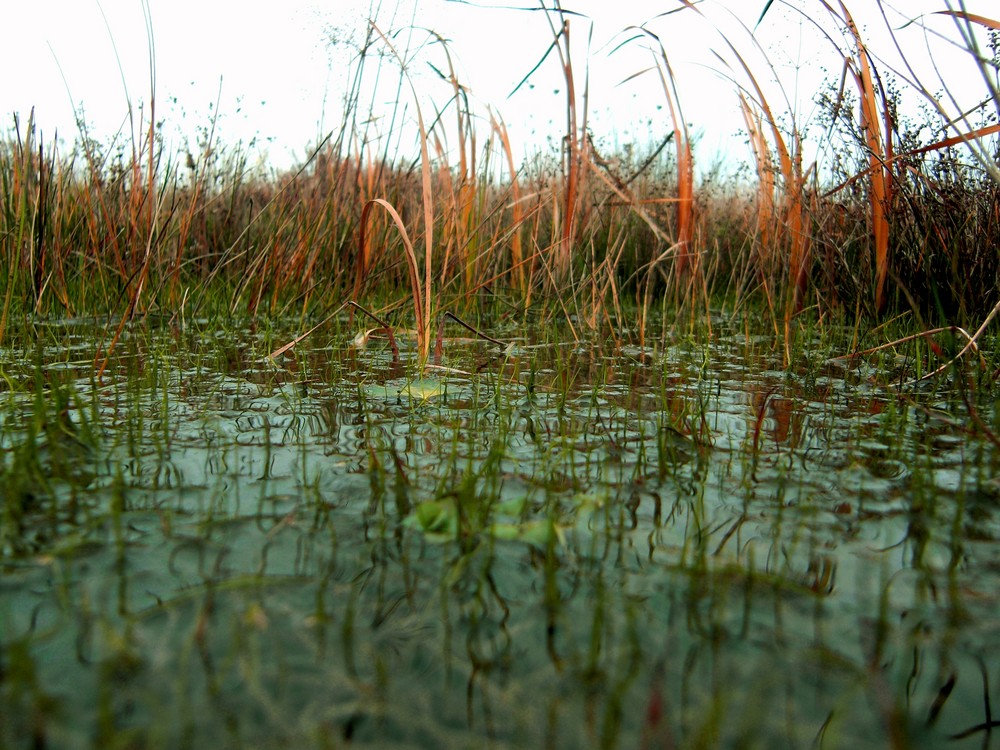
(572, 549)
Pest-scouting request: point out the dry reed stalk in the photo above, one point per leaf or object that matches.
(517, 211)
(452, 237)
(793, 216)
(793, 223)
(574, 151)
(195, 200)
(628, 198)
(879, 149)
(768, 224)
(765, 205)
(21, 188)
(424, 338)
(413, 268)
(145, 201)
(421, 289)
(685, 162)
(366, 192)
(575, 148)
(463, 200)
(685, 206)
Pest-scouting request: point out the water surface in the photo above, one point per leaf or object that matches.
(562, 545)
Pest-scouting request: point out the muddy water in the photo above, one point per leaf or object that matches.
(559, 546)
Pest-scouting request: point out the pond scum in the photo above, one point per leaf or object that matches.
(632, 462)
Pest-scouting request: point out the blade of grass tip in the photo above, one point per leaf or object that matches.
(552, 46)
(763, 13)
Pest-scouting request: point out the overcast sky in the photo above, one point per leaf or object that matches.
(275, 72)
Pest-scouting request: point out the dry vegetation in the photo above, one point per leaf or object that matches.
(900, 222)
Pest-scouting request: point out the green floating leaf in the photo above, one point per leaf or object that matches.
(513, 507)
(437, 519)
(422, 389)
(412, 390)
(540, 533)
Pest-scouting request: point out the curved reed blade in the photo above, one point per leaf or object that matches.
(421, 296)
(879, 154)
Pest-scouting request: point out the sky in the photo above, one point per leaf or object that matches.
(271, 76)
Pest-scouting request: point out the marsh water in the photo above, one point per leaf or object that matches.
(559, 545)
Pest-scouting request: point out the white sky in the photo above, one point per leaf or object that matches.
(279, 80)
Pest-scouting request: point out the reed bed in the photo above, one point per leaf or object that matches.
(895, 221)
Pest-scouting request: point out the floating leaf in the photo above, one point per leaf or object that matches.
(540, 533)
(436, 518)
(513, 507)
(422, 389)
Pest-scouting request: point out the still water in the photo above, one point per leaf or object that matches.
(554, 546)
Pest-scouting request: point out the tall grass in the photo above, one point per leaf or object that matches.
(897, 220)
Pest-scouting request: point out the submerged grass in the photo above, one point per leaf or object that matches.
(563, 547)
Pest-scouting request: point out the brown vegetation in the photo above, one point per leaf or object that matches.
(897, 224)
